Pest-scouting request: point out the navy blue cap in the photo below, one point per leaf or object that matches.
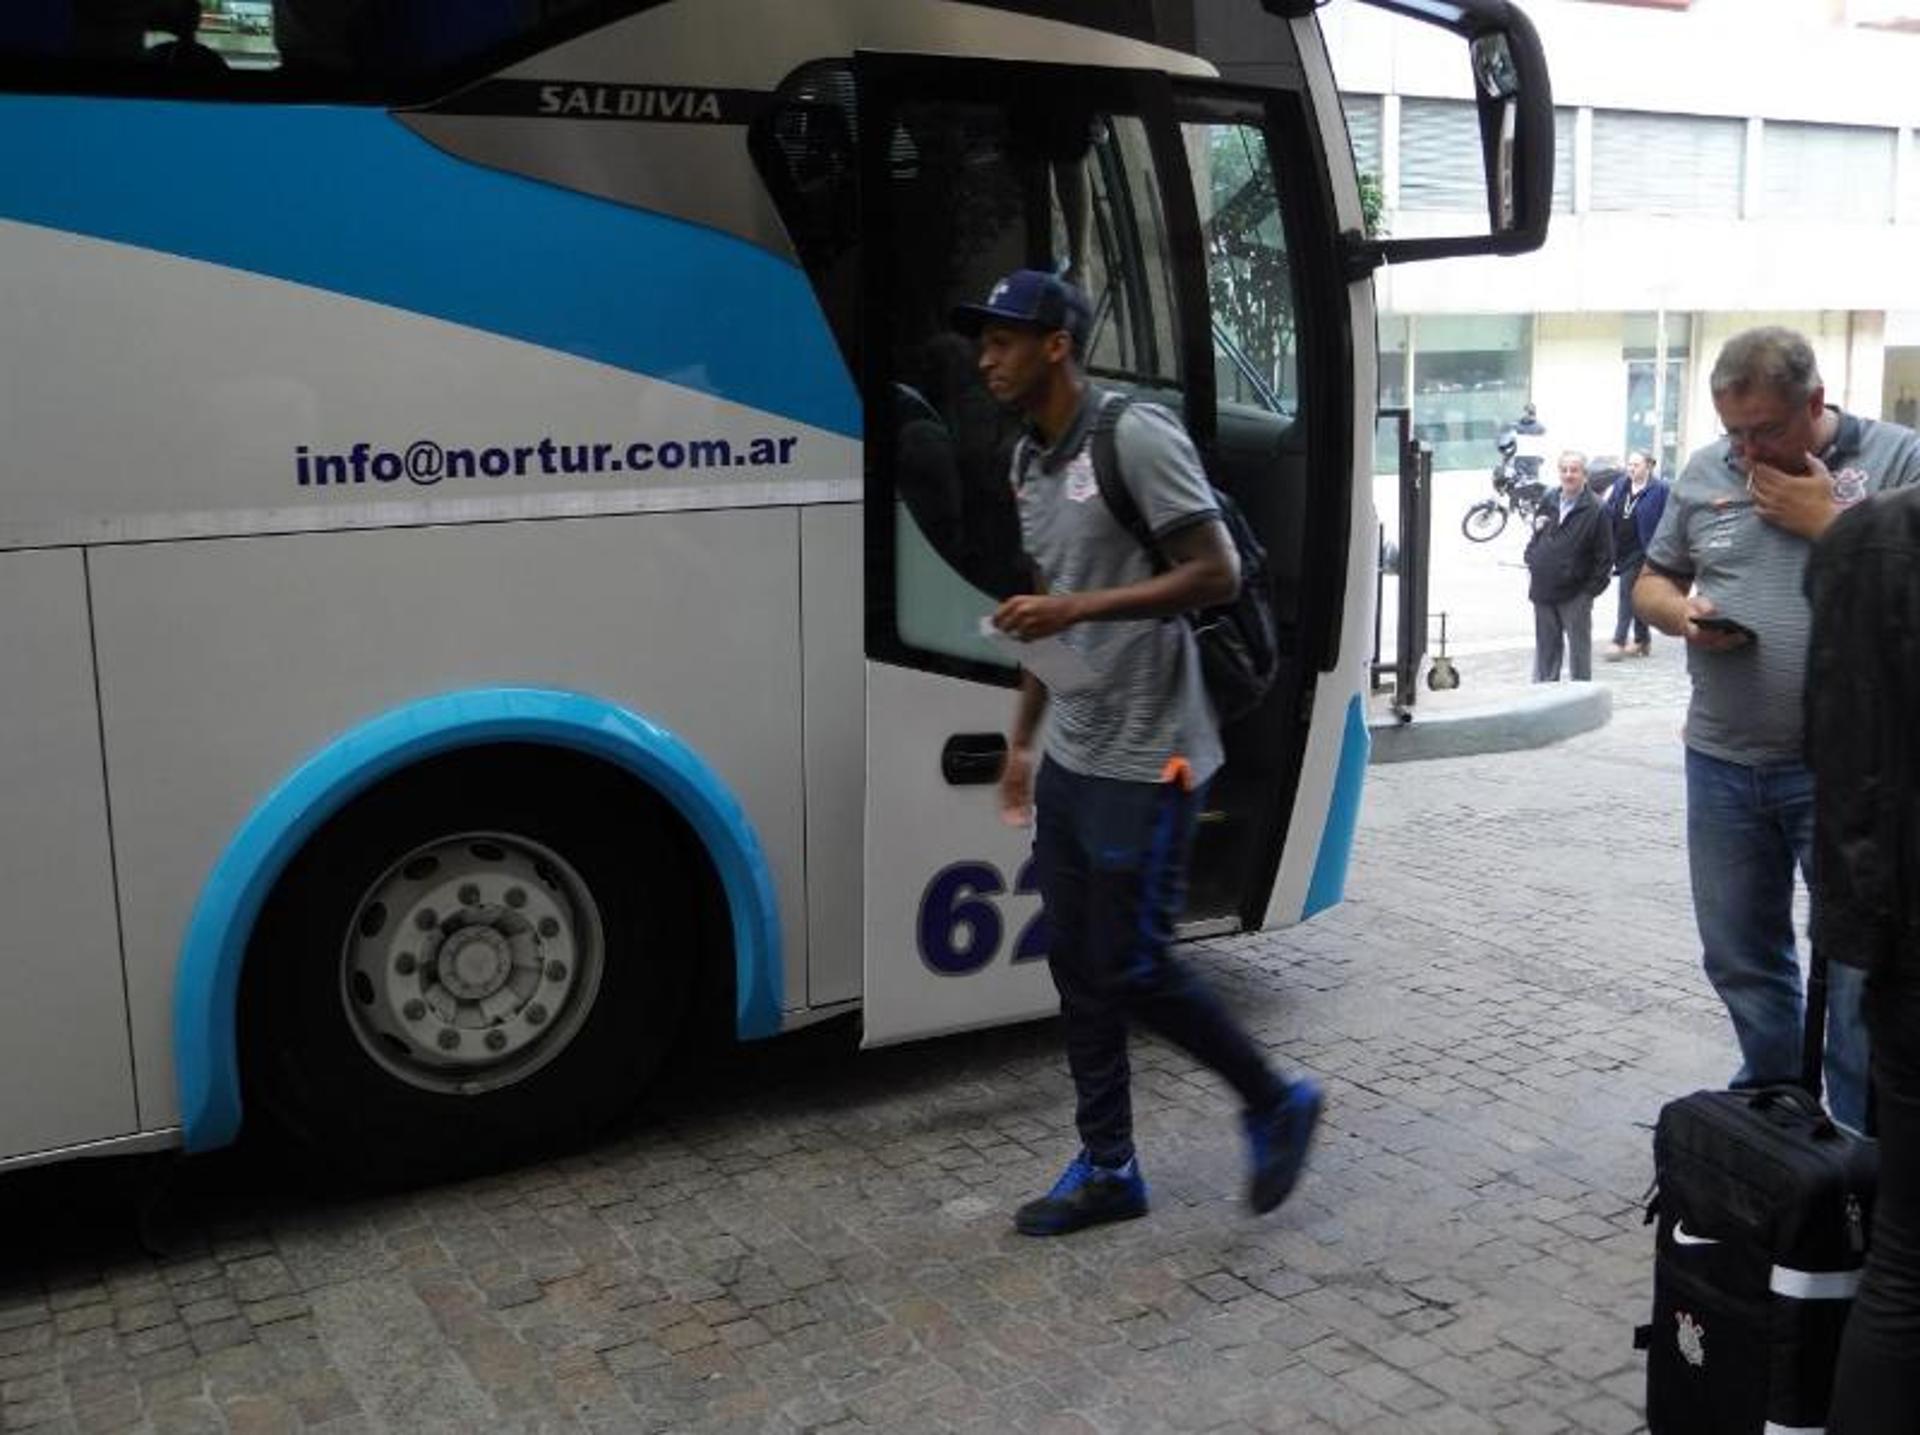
(1033, 299)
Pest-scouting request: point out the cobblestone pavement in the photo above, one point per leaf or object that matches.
(815, 1239)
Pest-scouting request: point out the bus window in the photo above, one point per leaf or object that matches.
(977, 188)
(352, 48)
(969, 202)
(804, 145)
(1249, 279)
(1135, 337)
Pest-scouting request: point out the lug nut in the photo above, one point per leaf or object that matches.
(449, 1038)
(414, 1010)
(516, 896)
(426, 919)
(536, 1014)
(549, 927)
(406, 964)
(469, 895)
(556, 971)
(496, 1040)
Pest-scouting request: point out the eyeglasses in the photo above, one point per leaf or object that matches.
(1757, 434)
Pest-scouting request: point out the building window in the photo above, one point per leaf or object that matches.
(1828, 172)
(1393, 332)
(1440, 156)
(1440, 164)
(1392, 329)
(1363, 131)
(1657, 386)
(1472, 373)
(1563, 127)
(1667, 164)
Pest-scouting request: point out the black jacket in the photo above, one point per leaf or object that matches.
(1863, 730)
(1570, 557)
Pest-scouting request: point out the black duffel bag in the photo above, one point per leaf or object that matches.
(1763, 1206)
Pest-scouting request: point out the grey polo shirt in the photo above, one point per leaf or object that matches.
(1151, 705)
(1746, 704)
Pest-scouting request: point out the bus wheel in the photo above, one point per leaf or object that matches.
(481, 959)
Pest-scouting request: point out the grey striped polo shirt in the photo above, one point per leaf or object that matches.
(1151, 705)
(1746, 705)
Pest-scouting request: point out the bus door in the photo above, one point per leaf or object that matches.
(1149, 197)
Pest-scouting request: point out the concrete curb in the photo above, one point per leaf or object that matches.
(1535, 718)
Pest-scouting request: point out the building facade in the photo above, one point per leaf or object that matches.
(1719, 164)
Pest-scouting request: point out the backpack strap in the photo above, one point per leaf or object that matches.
(1106, 473)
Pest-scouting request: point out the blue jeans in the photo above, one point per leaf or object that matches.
(1747, 828)
(1625, 621)
(1112, 862)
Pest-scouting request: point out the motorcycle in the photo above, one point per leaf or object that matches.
(1517, 491)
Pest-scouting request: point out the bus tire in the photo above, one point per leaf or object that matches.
(481, 959)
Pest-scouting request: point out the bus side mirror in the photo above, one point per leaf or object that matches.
(1515, 103)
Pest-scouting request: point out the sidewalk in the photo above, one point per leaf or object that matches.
(1498, 708)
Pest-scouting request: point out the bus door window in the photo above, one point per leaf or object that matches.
(968, 202)
(1254, 313)
(805, 147)
(1249, 281)
(977, 189)
(1258, 455)
(1135, 342)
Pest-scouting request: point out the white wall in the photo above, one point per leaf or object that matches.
(1782, 60)
(1580, 381)
(1847, 345)
(1776, 59)
(1626, 262)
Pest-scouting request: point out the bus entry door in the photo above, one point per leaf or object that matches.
(970, 169)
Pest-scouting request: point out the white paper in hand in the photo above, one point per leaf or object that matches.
(1061, 669)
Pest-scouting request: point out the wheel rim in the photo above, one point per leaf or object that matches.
(1483, 521)
(472, 962)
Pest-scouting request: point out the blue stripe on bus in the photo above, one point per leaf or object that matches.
(207, 987)
(1329, 882)
(349, 200)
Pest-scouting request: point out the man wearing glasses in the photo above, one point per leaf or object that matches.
(1724, 572)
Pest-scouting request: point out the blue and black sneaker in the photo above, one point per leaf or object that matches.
(1279, 1138)
(1085, 1195)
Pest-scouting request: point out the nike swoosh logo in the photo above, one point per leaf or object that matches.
(1683, 1237)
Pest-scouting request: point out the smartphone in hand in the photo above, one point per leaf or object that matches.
(1720, 623)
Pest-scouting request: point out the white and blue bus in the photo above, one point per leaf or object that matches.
(494, 523)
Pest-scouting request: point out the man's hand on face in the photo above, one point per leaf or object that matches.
(1034, 615)
(1797, 503)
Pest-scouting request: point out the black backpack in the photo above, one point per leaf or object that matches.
(1237, 641)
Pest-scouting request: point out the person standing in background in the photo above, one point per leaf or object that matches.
(1733, 545)
(1633, 513)
(1529, 445)
(1569, 560)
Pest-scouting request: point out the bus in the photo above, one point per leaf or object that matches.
(494, 523)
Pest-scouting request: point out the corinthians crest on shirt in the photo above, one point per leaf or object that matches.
(1691, 1338)
(1080, 480)
(1850, 485)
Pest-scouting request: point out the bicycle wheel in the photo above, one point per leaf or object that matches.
(1484, 521)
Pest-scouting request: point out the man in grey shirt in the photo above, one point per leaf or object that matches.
(1127, 758)
(1732, 547)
